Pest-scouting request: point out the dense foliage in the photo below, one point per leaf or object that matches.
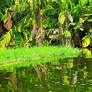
(45, 22)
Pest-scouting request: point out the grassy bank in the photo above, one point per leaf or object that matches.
(35, 55)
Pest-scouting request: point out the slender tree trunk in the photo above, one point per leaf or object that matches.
(40, 35)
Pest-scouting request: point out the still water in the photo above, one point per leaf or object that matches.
(67, 75)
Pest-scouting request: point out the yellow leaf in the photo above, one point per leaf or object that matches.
(28, 22)
(86, 41)
(19, 28)
(68, 34)
(87, 14)
(73, 24)
(5, 19)
(31, 39)
(81, 20)
(89, 20)
(5, 39)
(62, 1)
(81, 29)
(61, 19)
(52, 36)
(87, 53)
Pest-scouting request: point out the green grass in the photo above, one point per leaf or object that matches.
(25, 56)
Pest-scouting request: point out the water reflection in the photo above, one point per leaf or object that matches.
(68, 75)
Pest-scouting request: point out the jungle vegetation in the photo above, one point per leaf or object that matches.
(30, 23)
(33, 32)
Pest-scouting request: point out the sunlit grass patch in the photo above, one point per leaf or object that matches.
(35, 55)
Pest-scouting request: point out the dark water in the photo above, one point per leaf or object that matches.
(68, 75)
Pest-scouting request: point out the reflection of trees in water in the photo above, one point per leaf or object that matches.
(68, 73)
(14, 80)
(37, 71)
(42, 68)
(8, 81)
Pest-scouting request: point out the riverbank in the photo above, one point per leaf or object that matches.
(10, 57)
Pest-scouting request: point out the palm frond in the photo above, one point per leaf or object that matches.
(5, 39)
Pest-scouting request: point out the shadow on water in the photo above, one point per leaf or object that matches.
(67, 75)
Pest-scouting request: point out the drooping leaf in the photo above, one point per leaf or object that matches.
(5, 39)
(19, 27)
(67, 34)
(25, 34)
(81, 20)
(28, 22)
(73, 24)
(53, 36)
(61, 18)
(87, 53)
(77, 26)
(81, 29)
(86, 15)
(89, 20)
(5, 19)
(86, 41)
